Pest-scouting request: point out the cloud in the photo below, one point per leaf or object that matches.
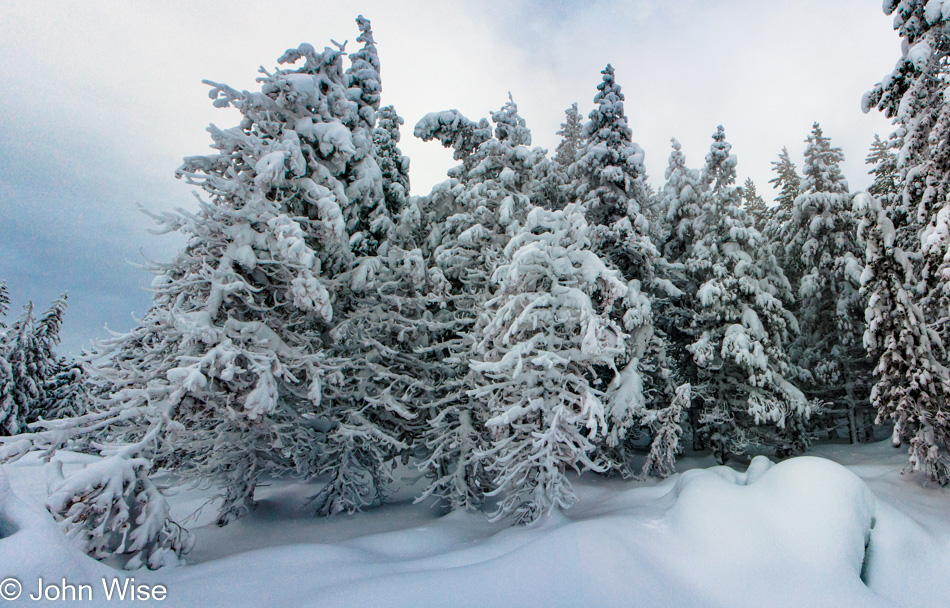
(103, 99)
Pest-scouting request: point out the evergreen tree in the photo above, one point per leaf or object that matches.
(490, 199)
(883, 163)
(788, 183)
(740, 326)
(552, 188)
(383, 377)
(571, 141)
(912, 383)
(491, 196)
(224, 378)
(393, 164)
(684, 204)
(682, 200)
(24, 386)
(609, 184)
(35, 383)
(550, 328)
(754, 205)
(609, 172)
(822, 265)
(823, 195)
(886, 187)
(368, 220)
(63, 382)
(6, 372)
(913, 96)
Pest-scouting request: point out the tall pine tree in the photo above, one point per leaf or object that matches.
(491, 195)
(823, 264)
(754, 204)
(788, 183)
(609, 184)
(393, 164)
(740, 327)
(913, 96)
(27, 370)
(549, 328)
(912, 384)
(224, 379)
(571, 137)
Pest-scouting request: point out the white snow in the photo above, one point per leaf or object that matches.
(790, 534)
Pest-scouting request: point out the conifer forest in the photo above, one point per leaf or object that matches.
(552, 379)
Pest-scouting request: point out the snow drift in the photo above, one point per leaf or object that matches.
(804, 532)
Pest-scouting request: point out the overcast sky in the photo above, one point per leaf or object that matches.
(102, 99)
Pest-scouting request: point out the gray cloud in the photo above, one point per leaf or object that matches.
(102, 100)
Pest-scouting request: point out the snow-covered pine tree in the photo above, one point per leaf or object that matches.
(24, 386)
(683, 206)
(552, 187)
(823, 194)
(887, 188)
(392, 361)
(388, 370)
(912, 383)
(754, 204)
(367, 216)
(455, 423)
(609, 181)
(740, 326)
(570, 132)
(63, 383)
(550, 328)
(35, 383)
(393, 164)
(222, 381)
(491, 193)
(788, 183)
(883, 163)
(490, 199)
(913, 95)
(609, 184)
(823, 267)
(6, 372)
(379, 378)
(4, 302)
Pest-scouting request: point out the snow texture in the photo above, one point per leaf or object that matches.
(804, 532)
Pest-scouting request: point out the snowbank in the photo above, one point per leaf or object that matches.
(791, 534)
(33, 547)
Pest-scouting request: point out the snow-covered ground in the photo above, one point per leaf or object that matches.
(789, 534)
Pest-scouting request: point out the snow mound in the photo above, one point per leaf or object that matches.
(791, 534)
(802, 525)
(804, 532)
(33, 546)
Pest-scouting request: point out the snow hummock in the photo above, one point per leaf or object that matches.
(786, 534)
(32, 545)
